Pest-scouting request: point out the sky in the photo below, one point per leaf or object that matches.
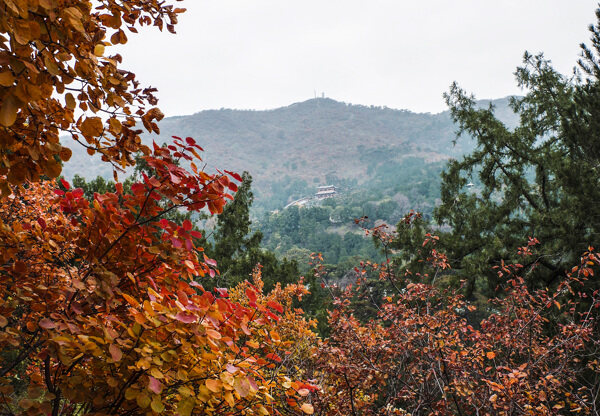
(264, 54)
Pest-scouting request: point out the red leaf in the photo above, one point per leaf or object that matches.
(222, 292)
(251, 295)
(138, 188)
(273, 316)
(274, 357)
(275, 306)
(65, 184)
(187, 225)
(42, 223)
(235, 176)
(190, 141)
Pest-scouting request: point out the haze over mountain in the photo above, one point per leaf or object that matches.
(291, 150)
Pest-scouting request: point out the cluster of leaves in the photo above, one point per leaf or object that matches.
(55, 77)
(101, 306)
(535, 353)
(101, 310)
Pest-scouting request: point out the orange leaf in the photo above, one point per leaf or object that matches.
(131, 300)
(213, 334)
(213, 385)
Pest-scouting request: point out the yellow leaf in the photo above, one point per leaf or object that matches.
(157, 405)
(307, 408)
(155, 372)
(130, 393)
(99, 50)
(8, 111)
(185, 406)
(229, 399)
(226, 378)
(143, 400)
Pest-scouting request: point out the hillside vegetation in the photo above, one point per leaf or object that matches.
(291, 150)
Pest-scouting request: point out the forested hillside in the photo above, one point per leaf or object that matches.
(383, 162)
(289, 151)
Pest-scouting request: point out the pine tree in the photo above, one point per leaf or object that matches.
(237, 248)
(538, 180)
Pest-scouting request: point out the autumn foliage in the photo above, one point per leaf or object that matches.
(537, 352)
(102, 310)
(57, 76)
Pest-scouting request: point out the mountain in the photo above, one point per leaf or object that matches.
(291, 150)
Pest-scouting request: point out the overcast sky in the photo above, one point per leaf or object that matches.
(260, 54)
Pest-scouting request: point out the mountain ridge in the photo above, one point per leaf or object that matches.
(288, 150)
